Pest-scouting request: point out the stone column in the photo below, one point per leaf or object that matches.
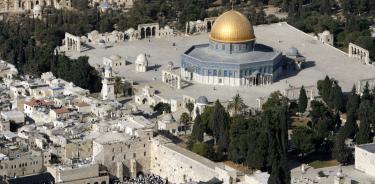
(178, 83)
(78, 45)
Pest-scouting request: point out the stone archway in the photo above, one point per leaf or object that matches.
(209, 25)
(153, 31)
(143, 33)
(148, 32)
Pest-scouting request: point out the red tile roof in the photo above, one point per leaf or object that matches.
(62, 110)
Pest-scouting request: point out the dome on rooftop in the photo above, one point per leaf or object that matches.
(115, 57)
(232, 27)
(202, 100)
(141, 59)
(292, 51)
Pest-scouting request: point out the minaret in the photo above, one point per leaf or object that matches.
(108, 84)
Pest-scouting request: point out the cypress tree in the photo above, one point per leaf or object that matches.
(302, 100)
(353, 103)
(366, 93)
(198, 131)
(364, 132)
(340, 151)
(338, 98)
(351, 127)
(219, 124)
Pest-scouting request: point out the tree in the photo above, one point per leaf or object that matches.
(219, 124)
(338, 98)
(350, 128)
(340, 151)
(190, 107)
(364, 132)
(302, 100)
(200, 149)
(353, 103)
(273, 101)
(198, 129)
(324, 87)
(236, 105)
(303, 140)
(162, 107)
(237, 150)
(366, 93)
(184, 120)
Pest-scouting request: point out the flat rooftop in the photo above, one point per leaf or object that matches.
(321, 59)
(205, 54)
(370, 147)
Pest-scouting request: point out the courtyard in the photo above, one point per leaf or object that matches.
(321, 60)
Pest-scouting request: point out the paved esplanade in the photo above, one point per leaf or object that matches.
(321, 60)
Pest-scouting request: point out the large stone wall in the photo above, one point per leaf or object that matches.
(179, 165)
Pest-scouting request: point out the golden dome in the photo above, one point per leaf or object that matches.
(232, 27)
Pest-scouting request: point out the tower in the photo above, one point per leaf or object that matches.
(108, 84)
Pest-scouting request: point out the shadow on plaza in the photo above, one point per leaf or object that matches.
(154, 67)
(263, 48)
(288, 74)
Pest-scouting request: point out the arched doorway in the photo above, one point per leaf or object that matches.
(140, 174)
(148, 32)
(144, 101)
(209, 25)
(153, 31)
(143, 33)
(257, 79)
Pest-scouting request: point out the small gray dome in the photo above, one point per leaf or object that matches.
(292, 51)
(202, 100)
(115, 57)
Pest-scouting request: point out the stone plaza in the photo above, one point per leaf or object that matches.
(321, 60)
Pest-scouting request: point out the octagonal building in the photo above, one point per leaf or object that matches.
(232, 57)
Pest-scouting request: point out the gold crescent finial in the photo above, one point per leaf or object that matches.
(232, 4)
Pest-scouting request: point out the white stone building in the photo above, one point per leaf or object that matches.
(108, 38)
(365, 158)
(141, 63)
(108, 81)
(78, 174)
(168, 123)
(326, 37)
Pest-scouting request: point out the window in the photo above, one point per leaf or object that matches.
(134, 155)
(144, 153)
(124, 156)
(113, 158)
(225, 73)
(215, 73)
(222, 47)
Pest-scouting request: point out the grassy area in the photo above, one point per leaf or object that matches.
(320, 164)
